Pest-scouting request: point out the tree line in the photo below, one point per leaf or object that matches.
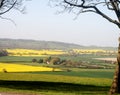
(58, 61)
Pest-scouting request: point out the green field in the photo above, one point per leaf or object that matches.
(77, 81)
(87, 59)
(83, 73)
(51, 84)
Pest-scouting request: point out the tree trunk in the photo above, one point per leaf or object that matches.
(115, 87)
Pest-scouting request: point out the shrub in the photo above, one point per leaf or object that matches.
(55, 60)
(3, 52)
(40, 61)
(34, 60)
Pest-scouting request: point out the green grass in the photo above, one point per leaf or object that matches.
(85, 58)
(53, 84)
(93, 73)
(55, 78)
(52, 88)
(77, 82)
(19, 59)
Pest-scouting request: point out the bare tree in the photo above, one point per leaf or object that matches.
(99, 7)
(7, 5)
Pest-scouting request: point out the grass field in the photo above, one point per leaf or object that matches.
(84, 82)
(89, 59)
(83, 73)
(76, 82)
(52, 88)
(52, 84)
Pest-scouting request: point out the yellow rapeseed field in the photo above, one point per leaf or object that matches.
(89, 50)
(8, 67)
(30, 52)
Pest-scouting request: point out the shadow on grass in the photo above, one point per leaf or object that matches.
(50, 86)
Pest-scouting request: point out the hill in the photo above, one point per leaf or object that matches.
(35, 44)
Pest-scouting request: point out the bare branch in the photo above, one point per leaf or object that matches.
(108, 5)
(7, 5)
(92, 7)
(8, 20)
(9, 8)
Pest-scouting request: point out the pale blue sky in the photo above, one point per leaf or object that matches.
(42, 23)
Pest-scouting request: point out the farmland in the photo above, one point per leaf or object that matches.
(26, 52)
(25, 76)
(48, 84)
(22, 68)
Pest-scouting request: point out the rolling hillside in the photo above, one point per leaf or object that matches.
(35, 44)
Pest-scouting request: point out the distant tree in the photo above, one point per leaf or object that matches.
(40, 61)
(100, 7)
(67, 63)
(3, 52)
(55, 60)
(47, 60)
(34, 60)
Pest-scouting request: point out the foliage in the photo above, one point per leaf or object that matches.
(55, 60)
(40, 61)
(3, 52)
(46, 60)
(34, 60)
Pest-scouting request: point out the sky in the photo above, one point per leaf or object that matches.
(41, 22)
